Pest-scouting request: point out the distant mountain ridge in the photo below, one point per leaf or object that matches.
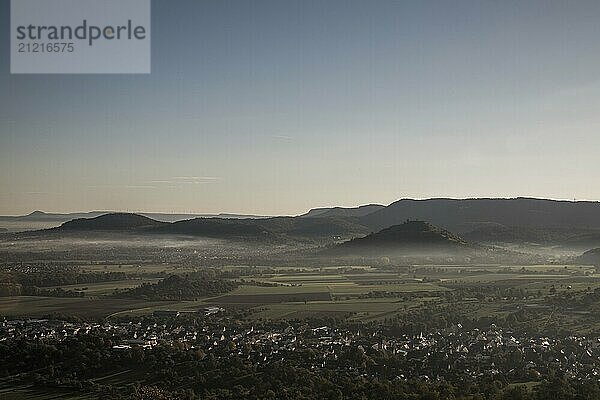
(464, 215)
(164, 217)
(43, 216)
(220, 227)
(479, 220)
(40, 220)
(360, 211)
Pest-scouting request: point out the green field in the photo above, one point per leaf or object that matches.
(293, 292)
(82, 307)
(143, 268)
(46, 394)
(259, 290)
(105, 288)
(359, 309)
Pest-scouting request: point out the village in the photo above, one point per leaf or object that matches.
(429, 356)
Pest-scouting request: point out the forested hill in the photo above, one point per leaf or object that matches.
(480, 220)
(267, 228)
(407, 237)
(116, 221)
(464, 215)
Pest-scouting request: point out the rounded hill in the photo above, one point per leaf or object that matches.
(411, 236)
(107, 222)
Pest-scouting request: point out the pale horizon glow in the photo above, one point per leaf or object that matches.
(216, 212)
(277, 107)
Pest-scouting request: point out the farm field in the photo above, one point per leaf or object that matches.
(363, 309)
(31, 394)
(363, 293)
(141, 268)
(105, 288)
(80, 307)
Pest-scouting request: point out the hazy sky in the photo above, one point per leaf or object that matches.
(274, 107)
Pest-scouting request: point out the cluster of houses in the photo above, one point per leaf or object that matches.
(427, 355)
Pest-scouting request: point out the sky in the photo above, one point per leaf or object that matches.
(276, 107)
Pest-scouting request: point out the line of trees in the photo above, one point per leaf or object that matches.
(176, 287)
